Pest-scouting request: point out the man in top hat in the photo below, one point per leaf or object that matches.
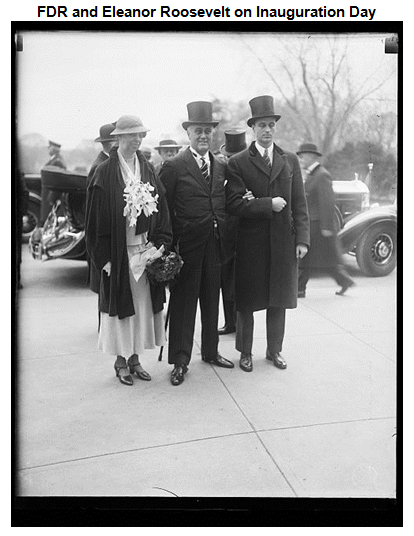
(107, 142)
(194, 183)
(167, 149)
(235, 141)
(324, 251)
(273, 232)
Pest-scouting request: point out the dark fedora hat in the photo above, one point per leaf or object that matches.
(308, 148)
(235, 142)
(105, 132)
(200, 113)
(262, 107)
(167, 144)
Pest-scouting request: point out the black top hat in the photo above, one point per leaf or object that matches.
(168, 144)
(105, 132)
(54, 144)
(262, 107)
(200, 113)
(235, 142)
(308, 148)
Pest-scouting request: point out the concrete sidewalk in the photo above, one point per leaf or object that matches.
(324, 427)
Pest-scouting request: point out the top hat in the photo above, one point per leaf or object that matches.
(308, 148)
(262, 107)
(129, 124)
(168, 144)
(55, 144)
(105, 132)
(235, 142)
(200, 113)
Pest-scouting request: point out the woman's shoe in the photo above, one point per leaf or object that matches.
(136, 368)
(126, 380)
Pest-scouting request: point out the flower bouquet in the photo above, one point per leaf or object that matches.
(138, 198)
(162, 271)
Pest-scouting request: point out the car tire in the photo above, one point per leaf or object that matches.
(31, 218)
(376, 250)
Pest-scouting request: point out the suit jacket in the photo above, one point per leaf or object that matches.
(194, 206)
(266, 264)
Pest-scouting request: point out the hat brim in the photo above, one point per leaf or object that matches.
(103, 139)
(186, 124)
(132, 130)
(252, 120)
(168, 147)
(312, 152)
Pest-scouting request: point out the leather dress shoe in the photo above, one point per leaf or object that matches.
(345, 288)
(277, 359)
(218, 360)
(246, 362)
(225, 330)
(177, 374)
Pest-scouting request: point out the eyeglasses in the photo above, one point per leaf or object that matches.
(200, 130)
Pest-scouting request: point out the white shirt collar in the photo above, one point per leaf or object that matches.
(198, 157)
(262, 150)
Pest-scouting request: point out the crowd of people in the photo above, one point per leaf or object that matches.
(242, 223)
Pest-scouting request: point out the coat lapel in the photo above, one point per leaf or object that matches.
(195, 171)
(279, 161)
(257, 160)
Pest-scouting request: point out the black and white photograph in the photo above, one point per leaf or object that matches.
(206, 262)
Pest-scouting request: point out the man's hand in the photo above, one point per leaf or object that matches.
(301, 251)
(278, 204)
(107, 268)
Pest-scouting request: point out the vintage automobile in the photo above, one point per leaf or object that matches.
(371, 236)
(31, 218)
(63, 233)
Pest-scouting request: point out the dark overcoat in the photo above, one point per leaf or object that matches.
(266, 264)
(323, 251)
(94, 275)
(193, 205)
(106, 234)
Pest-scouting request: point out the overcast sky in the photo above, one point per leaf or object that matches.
(70, 83)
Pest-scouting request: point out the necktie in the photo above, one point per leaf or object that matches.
(267, 159)
(204, 171)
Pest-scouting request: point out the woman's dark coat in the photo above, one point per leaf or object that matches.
(266, 264)
(94, 275)
(106, 234)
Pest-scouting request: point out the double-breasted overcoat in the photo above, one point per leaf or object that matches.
(266, 263)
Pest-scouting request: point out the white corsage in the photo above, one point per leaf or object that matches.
(138, 198)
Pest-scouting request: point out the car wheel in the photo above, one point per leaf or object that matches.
(31, 218)
(376, 251)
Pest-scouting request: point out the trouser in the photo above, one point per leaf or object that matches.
(338, 273)
(275, 330)
(227, 292)
(199, 280)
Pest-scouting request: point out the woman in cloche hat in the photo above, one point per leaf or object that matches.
(128, 225)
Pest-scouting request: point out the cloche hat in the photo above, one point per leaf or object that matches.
(129, 124)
